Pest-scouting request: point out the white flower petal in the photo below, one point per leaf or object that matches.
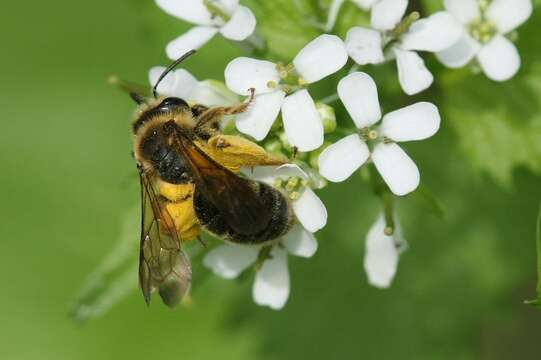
(168, 82)
(499, 59)
(302, 122)
(359, 95)
(364, 45)
(185, 84)
(509, 14)
(381, 255)
(464, 11)
(258, 119)
(415, 122)
(271, 285)
(386, 14)
(310, 211)
(321, 57)
(228, 6)
(396, 168)
(461, 53)
(300, 242)
(365, 4)
(180, 83)
(213, 93)
(193, 39)
(240, 26)
(244, 73)
(228, 261)
(193, 11)
(435, 33)
(340, 160)
(413, 75)
(268, 174)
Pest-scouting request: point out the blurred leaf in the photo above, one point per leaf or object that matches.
(498, 125)
(115, 278)
(288, 25)
(428, 201)
(537, 302)
(349, 16)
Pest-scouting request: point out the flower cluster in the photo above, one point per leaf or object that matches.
(287, 119)
(483, 36)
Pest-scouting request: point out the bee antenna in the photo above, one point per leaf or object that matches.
(169, 69)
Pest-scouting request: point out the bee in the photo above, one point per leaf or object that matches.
(189, 180)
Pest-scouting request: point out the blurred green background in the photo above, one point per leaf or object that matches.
(69, 180)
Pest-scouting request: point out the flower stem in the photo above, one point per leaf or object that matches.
(329, 99)
(255, 45)
(386, 197)
(334, 10)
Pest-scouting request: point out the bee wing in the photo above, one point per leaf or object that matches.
(162, 263)
(234, 196)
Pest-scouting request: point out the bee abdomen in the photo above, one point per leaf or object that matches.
(274, 202)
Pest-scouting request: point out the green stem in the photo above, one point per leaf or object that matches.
(216, 10)
(386, 197)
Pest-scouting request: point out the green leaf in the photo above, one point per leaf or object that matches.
(115, 278)
(428, 201)
(288, 25)
(537, 302)
(498, 126)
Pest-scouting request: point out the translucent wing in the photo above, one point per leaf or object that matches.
(162, 263)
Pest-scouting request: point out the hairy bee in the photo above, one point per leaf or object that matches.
(189, 174)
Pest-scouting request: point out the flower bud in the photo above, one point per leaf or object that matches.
(328, 117)
(314, 155)
(273, 147)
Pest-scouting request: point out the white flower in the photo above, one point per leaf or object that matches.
(182, 84)
(272, 285)
(419, 121)
(233, 21)
(375, 45)
(382, 253)
(321, 57)
(484, 33)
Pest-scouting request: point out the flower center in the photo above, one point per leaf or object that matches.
(293, 186)
(290, 80)
(482, 30)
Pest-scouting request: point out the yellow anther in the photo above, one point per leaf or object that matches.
(272, 84)
(372, 134)
(295, 195)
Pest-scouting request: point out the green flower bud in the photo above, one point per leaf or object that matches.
(313, 160)
(285, 143)
(328, 117)
(274, 147)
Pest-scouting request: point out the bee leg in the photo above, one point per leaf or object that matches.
(198, 109)
(208, 122)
